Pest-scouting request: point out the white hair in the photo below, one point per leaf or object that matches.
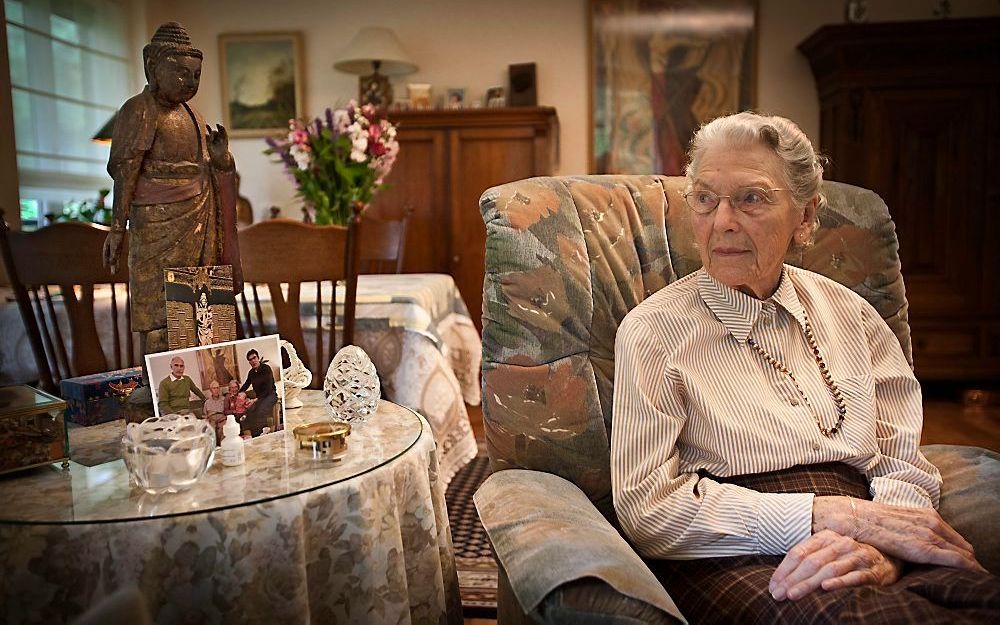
(801, 166)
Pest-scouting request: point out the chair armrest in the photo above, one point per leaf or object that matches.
(969, 503)
(547, 534)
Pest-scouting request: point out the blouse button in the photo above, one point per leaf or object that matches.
(793, 401)
(815, 446)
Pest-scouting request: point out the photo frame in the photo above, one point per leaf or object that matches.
(495, 97)
(257, 415)
(419, 95)
(201, 305)
(261, 82)
(455, 98)
(658, 70)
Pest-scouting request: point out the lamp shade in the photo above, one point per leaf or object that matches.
(104, 134)
(375, 43)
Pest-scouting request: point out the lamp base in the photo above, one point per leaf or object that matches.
(375, 89)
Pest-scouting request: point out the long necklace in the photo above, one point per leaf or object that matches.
(838, 399)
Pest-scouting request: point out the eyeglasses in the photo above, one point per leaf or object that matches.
(746, 200)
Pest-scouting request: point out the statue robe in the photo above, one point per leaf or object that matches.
(182, 213)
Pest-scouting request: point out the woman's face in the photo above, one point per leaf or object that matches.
(745, 251)
(233, 386)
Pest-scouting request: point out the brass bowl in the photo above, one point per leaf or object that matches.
(324, 438)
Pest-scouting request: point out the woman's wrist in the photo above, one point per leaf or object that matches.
(835, 513)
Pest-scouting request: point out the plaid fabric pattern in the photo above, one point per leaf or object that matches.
(734, 590)
(827, 479)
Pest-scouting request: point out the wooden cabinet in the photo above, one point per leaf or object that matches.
(446, 160)
(911, 110)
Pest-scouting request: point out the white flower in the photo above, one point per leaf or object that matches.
(341, 121)
(359, 142)
(301, 155)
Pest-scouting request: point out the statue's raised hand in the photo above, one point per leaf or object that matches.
(218, 147)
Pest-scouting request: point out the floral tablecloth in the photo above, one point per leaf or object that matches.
(284, 538)
(415, 328)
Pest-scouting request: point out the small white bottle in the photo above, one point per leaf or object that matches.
(233, 453)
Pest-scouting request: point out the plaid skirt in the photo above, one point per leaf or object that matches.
(734, 589)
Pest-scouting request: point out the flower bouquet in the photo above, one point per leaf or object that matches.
(339, 160)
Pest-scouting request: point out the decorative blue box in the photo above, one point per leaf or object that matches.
(91, 400)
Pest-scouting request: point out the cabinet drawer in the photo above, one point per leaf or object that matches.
(948, 343)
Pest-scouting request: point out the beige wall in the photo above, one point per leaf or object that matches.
(470, 43)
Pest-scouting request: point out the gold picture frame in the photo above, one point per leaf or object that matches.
(262, 84)
(658, 70)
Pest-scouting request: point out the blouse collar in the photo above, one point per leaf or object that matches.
(739, 312)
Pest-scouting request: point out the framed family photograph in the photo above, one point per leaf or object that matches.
(243, 378)
(658, 70)
(261, 82)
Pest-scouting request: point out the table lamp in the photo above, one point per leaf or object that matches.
(376, 50)
(104, 134)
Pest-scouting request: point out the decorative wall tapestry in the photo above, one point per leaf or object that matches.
(661, 68)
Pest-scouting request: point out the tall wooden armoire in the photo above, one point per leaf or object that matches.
(911, 110)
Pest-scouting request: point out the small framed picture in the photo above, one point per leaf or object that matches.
(241, 378)
(419, 95)
(456, 99)
(495, 97)
(261, 82)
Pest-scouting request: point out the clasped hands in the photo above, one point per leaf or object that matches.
(862, 542)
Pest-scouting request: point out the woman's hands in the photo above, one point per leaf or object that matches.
(912, 534)
(829, 560)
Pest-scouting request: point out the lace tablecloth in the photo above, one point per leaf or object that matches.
(415, 328)
(284, 538)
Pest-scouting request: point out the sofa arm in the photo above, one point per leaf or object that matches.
(969, 503)
(548, 535)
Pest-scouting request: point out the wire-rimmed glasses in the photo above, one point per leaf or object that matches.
(745, 199)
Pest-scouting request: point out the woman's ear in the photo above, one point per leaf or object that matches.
(805, 229)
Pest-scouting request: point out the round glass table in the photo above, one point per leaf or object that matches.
(285, 537)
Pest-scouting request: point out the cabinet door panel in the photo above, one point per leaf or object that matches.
(418, 179)
(481, 158)
(928, 177)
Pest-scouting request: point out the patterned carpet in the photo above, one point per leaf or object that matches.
(477, 571)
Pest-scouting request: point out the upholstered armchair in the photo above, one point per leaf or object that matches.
(566, 259)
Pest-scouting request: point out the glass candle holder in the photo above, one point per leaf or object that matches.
(169, 453)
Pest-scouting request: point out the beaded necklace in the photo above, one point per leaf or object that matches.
(838, 399)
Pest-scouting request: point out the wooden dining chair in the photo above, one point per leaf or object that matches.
(54, 273)
(383, 242)
(283, 255)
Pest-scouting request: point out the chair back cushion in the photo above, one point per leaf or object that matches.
(568, 257)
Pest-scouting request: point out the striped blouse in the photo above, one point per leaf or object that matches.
(690, 394)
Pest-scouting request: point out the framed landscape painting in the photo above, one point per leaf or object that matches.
(261, 82)
(658, 70)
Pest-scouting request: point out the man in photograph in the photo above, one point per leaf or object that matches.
(260, 376)
(174, 395)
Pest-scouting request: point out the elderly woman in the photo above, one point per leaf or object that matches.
(766, 423)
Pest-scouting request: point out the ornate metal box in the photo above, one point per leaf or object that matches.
(32, 429)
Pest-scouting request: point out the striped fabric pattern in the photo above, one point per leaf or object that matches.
(691, 395)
